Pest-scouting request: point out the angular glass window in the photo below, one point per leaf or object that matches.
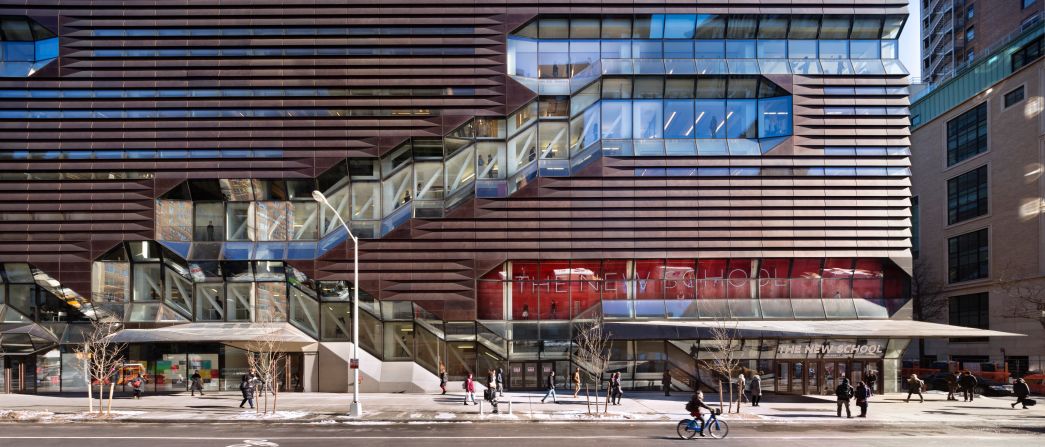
(553, 60)
(804, 27)
(490, 160)
(648, 119)
(834, 49)
(772, 27)
(554, 28)
(742, 27)
(864, 49)
(240, 302)
(336, 322)
(147, 283)
(304, 220)
(584, 28)
(584, 130)
(616, 119)
(709, 49)
(210, 302)
(772, 49)
(740, 49)
(774, 117)
(616, 27)
(710, 119)
(834, 27)
(679, 26)
(678, 121)
(741, 119)
(710, 26)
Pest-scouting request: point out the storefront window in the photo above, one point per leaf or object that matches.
(336, 324)
(399, 341)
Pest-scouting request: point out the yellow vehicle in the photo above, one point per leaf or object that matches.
(129, 371)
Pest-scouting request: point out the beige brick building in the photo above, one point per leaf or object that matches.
(979, 184)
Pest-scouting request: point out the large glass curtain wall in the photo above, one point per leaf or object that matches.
(551, 48)
(784, 288)
(144, 283)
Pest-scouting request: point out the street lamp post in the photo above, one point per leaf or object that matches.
(357, 407)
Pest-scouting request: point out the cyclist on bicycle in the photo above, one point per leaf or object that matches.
(693, 407)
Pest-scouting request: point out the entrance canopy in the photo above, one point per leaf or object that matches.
(789, 328)
(240, 334)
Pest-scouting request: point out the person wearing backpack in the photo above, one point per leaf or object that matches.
(693, 407)
(248, 385)
(469, 390)
(863, 393)
(844, 393)
(500, 381)
(490, 393)
(914, 386)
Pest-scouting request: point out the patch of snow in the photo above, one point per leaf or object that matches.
(445, 416)
(324, 422)
(276, 416)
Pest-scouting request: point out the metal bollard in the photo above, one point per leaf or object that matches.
(481, 406)
(509, 406)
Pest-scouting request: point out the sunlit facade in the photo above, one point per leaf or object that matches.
(510, 170)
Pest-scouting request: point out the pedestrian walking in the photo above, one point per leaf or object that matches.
(196, 383)
(756, 390)
(616, 391)
(967, 384)
(863, 393)
(665, 382)
(500, 381)
(137, 386)
(442, 378)
(576, 382)
(469, 390)
(741, 389)
(844, 392)
(914, 386)
(1021, 390)
(952, 385)
(871, 379)
(551, 388)
(248, 386)
(490, 394)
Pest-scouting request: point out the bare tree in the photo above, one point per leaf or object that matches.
(1026, 296)
(723, 348)
(593, 350)
(266, 355)
(928, 300)
(100, 360)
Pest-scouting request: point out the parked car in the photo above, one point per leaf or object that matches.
(984, 386)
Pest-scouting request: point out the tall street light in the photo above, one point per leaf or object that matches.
(357, 407)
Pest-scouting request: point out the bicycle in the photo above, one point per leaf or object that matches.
(714, 427)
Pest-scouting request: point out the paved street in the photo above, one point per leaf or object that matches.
(500, 434)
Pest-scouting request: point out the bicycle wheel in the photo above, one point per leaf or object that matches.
(717, 429)
(684, 431)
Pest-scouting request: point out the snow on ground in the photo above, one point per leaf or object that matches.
(276, 416)
(445, 416)
(25, 415)
(86, 415)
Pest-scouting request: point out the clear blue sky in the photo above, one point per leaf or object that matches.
(910, 55)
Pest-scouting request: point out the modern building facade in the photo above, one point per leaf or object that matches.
(977, 143)
(956, 33)
(512, 169)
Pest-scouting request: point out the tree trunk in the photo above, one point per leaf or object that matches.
(730, 396)
(587, 398)
(720, 396)
(606, 408)
(112, 388)
(101, 397)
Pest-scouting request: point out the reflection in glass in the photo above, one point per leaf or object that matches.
(210, 302)
(240, 301)
(710, 119)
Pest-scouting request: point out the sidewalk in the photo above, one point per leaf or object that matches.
(331, 408)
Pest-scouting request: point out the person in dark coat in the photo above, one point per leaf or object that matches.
(914, 386)
(863, 393)
(196, 383)
(248, 385)
(967, 382)
(616, 391)
(551, 388)
(665, 382)
(756, 390)
(1021, 390)
(844, 392)
(871, 379)
(491, 391)
(696, 402)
